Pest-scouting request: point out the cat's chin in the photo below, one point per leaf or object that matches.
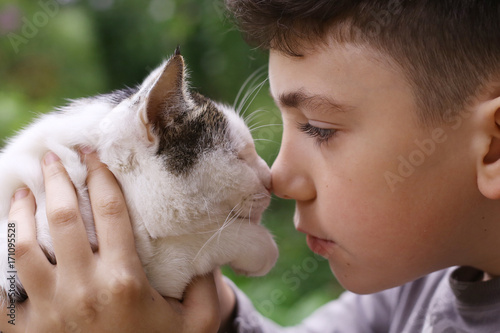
(260, 255)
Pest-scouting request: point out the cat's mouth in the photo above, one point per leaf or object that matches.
(253, 218)
(256, 207)
(249, 208)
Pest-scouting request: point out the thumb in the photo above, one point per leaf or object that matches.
(201, 302)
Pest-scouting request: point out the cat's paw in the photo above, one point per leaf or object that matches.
(258, 255)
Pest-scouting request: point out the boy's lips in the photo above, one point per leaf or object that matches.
(320, 246)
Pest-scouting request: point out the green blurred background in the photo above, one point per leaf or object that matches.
(51, 51)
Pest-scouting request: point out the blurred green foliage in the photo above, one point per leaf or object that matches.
(53, 51)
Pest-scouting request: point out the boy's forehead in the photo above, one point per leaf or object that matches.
(339, 78)
(326, 64)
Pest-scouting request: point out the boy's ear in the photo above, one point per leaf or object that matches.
(488, 177)
(166, 99)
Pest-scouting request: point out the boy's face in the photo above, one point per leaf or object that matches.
(384, 199)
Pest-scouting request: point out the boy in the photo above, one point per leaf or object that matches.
(391, 149)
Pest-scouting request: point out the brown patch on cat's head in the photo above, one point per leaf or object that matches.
(185, 124)
(182, 144)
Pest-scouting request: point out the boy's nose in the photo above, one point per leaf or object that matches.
(290, 177)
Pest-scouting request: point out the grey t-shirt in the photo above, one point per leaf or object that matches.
(454, 300)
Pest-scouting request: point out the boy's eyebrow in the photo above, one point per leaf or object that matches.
(301, 99)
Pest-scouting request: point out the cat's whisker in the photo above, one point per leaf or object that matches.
(267, 140)
(208, 210)
(255, 91)
(203, 247)
(252, 91)
(257, 124)
(255, 112)
(206, 231)
(249, 82)
(231, 213)
(251, 77)
(250, 213)
(231, 217)
(262, 126)
(232, 220)
(239, 225)
(258, 196)
(251, 116)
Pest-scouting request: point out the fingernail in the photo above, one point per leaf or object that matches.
(86, 150)
(21, 193)
(50, 158)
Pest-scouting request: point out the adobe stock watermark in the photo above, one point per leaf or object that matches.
(292, 278)
(11, 272)
(88, 311)
(269, 133)
(424, 148)
(32, 25)
(381, 19)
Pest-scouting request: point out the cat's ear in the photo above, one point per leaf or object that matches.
(167, 98)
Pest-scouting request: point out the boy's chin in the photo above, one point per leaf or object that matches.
(363, 283)
(365, 287)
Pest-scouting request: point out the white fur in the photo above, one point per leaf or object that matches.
(184, 225)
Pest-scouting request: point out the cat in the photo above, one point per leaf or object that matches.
(192, 180)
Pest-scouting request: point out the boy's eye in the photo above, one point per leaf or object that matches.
(322, 135)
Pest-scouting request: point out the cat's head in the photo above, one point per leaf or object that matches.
(181, 157)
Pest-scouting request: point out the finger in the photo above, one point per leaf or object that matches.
(201, 300)
(31, 264)
(71, 244)
(227, 298)
(112, 222)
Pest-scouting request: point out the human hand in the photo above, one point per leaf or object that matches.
(105, 291)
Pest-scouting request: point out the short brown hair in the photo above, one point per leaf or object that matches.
(449, 50)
